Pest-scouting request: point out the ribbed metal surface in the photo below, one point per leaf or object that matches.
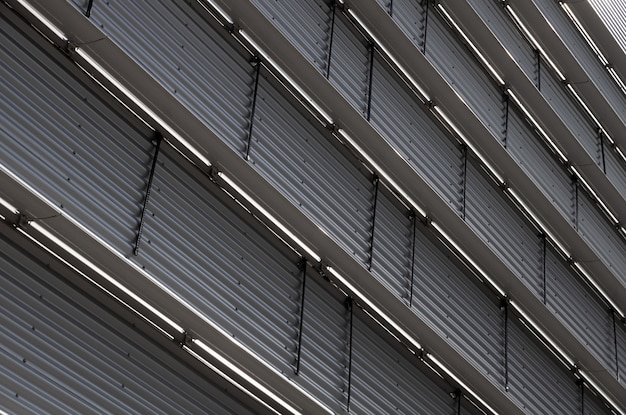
(465, 75)
(501, 226)
(562, 102)
(578, 47)
(187, 57)
(620, 331)
(350, 63)
(580, 309)
(62, 353)
(592, 405)
(540, 164)
(385, 382)
(305, 23)
(537, 381)
(324, 351)
(603, 238)
(298, 159)
(452, 302)
(410, 15)
(492, 12)
(392, 244)
(615, 168)
(402, 119)
(66, 142)
(201, 250)
(611, 13)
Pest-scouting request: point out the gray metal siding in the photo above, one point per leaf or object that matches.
(201, 250)
(465, 74)
(298, 158)
(533, 156)
(576, 44)
(503, 228)
(620, 331)
(62, 353)
(492, 12)
(305, 23)
(564, 104)
(580, 309)
(537, 381)
(349, 69)
(384, 381)
(70, 145)
(402, 120)
(410, 15)
(324, 351)
(593, 406)
(602, 237)
(392, 244)
(451, 301)
(188, 57)
(615, 168)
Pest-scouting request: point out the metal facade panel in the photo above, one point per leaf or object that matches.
(601, 236)
(620, 334)
(615, 168)
(392, 244)
(402, 119)
(325, 343)
(564, 104)
(188, 57)
(199, 248)
(540, 164)
(492, 12)
(349, 69)
(592, 404)
(307, 25)
(537, 381)
(384, 381)
(503, 228)
(580, 309)
(63, 353)
(451, 301)
(69, 144)
(578, 47)
(464, 73)
(410, 15)
(611, 14)
(292, 152)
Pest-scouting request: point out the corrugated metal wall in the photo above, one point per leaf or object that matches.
(403, 121)
(602, 237)
(574, 41)
(188, 57)
(392, 245)
(620, 333)
(385, 381)
(582, 311)
(452, 301)
(562, 102)
(537, 381)
(411, 17)
(324, 352)
(614, 167)
(465, 75)
(306, 24)
(350, 62)
(495, 17)
(63, 353)
(298, 158)
(503, 228)
(201, 250)
(67, 143)
(543, 167)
